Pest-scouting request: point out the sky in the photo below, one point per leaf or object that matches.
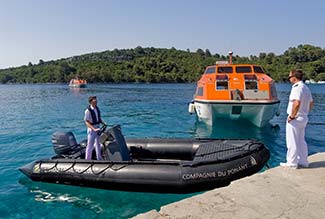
(31, 30)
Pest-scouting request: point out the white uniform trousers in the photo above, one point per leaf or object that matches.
(295, 138)
(93, 141)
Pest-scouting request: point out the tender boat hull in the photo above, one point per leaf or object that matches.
(258, 113)
(158, 165)
(236, 92)
(77, 85)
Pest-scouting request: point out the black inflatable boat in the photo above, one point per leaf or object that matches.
(155, 165)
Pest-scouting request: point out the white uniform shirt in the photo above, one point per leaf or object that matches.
(302, 93)
(88, 115)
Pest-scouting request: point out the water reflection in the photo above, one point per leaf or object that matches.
(234, 129)
(77, 90)
(103, 203)
(58, 193)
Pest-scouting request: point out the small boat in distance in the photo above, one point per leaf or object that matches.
(78, 83)
(236, 92)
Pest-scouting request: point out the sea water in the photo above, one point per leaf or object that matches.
(31, 113)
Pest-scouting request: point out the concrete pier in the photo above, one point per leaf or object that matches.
(279, 192)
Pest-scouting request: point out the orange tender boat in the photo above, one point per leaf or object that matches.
(235, 92)
(78, 83)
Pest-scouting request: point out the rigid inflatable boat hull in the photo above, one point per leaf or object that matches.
(157, 165)
(156, 175)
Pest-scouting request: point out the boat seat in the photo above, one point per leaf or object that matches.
(116, 149)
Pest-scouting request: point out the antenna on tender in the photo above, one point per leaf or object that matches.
(230, 57)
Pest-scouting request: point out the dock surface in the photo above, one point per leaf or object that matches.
(279, 192)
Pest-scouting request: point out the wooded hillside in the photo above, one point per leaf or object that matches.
(156, 65)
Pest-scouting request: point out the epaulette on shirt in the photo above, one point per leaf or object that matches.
(296, 85)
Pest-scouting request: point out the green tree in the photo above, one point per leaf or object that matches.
(320, 77)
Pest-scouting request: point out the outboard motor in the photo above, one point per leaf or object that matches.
(63, 143)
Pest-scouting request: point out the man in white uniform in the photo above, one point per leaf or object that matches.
(300, 103)
(92, 119)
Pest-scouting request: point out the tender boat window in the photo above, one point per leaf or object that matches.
(273, 91)
(199, 91)
(243, 69)
(225, 69)
(210, 70)
(250, 82)
(222, 82)
(258, 69)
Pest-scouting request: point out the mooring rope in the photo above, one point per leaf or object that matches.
(44, 169)
(72, 166)
(83, 170)
(101, 171)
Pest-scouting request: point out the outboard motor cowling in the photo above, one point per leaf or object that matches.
(63, 142)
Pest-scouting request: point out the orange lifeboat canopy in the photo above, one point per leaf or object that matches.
(225, 81)
(78, 83)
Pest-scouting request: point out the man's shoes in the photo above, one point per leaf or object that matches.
(303, 165)
(292, 166)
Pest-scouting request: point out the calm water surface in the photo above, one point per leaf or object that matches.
(31, 113)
